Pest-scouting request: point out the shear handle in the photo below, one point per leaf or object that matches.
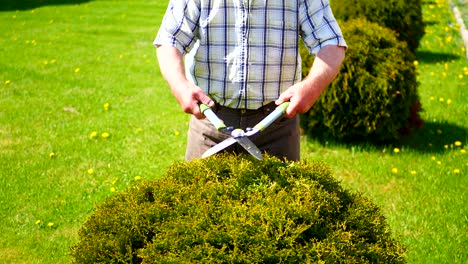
(208, 112)
(268, 120)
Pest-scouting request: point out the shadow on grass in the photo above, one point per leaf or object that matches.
(432, 137)
(12, 5)
(435, 57)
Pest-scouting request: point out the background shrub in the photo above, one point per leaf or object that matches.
(230, 209)
(374, 97)
(402, 16)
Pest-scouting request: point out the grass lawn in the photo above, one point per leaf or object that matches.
(463, 7)
(84, 113)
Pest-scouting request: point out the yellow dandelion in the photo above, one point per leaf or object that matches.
(462, 151)
(38, 222)
(396, 150)
(93, 135)
(460, 76)
(139, 129)
(441, 99)
(137, 178)
(53, 61)
(413, 172)
(458, 143)
(416, 63)
(433, 158)
(444, 74)
(52, 155)
(176, 133)
(395, 170)
(432, 98)
(50, 224)
(446, 146)
(456, 171)
(106, 106)
(90, 171)
(105, 135)
(77, 70)
(439, 162)
(449, 101)
(112, 189)
(7, 82)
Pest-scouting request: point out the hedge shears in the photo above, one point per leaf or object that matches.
(239, 135)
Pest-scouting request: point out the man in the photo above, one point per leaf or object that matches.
(247, 60)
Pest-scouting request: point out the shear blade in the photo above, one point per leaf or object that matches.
(218, 147)
(250, 147)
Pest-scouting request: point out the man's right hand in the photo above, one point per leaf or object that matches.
(189, 98)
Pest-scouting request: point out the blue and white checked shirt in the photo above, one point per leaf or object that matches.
(248, 49)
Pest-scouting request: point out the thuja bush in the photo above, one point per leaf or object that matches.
(374, 96)
(233, 209)
(404, 17)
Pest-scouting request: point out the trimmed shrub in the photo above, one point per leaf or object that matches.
(402, 16)
(232, 209)
(374, 97)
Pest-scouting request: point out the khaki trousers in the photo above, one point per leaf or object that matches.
(280, 139)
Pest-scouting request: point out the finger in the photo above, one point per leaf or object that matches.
(197, 112)
(284, 97)
(291, 111)
(205, 99)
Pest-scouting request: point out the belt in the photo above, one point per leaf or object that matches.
(266, 109)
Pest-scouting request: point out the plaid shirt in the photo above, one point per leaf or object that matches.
(248, 50)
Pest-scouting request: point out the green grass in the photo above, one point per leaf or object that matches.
(421, 188)
(61, 63)
(463, 7)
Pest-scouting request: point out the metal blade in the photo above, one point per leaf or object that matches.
(250, 147)
(218, 147)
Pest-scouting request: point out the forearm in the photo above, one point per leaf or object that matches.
(171, 65)
(325, 67)
(188, 95)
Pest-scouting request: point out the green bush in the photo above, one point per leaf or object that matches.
(402, 16)
(374, 96)
(232, 209)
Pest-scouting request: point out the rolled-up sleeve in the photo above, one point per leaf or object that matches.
(180, 25)
(319, 27)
